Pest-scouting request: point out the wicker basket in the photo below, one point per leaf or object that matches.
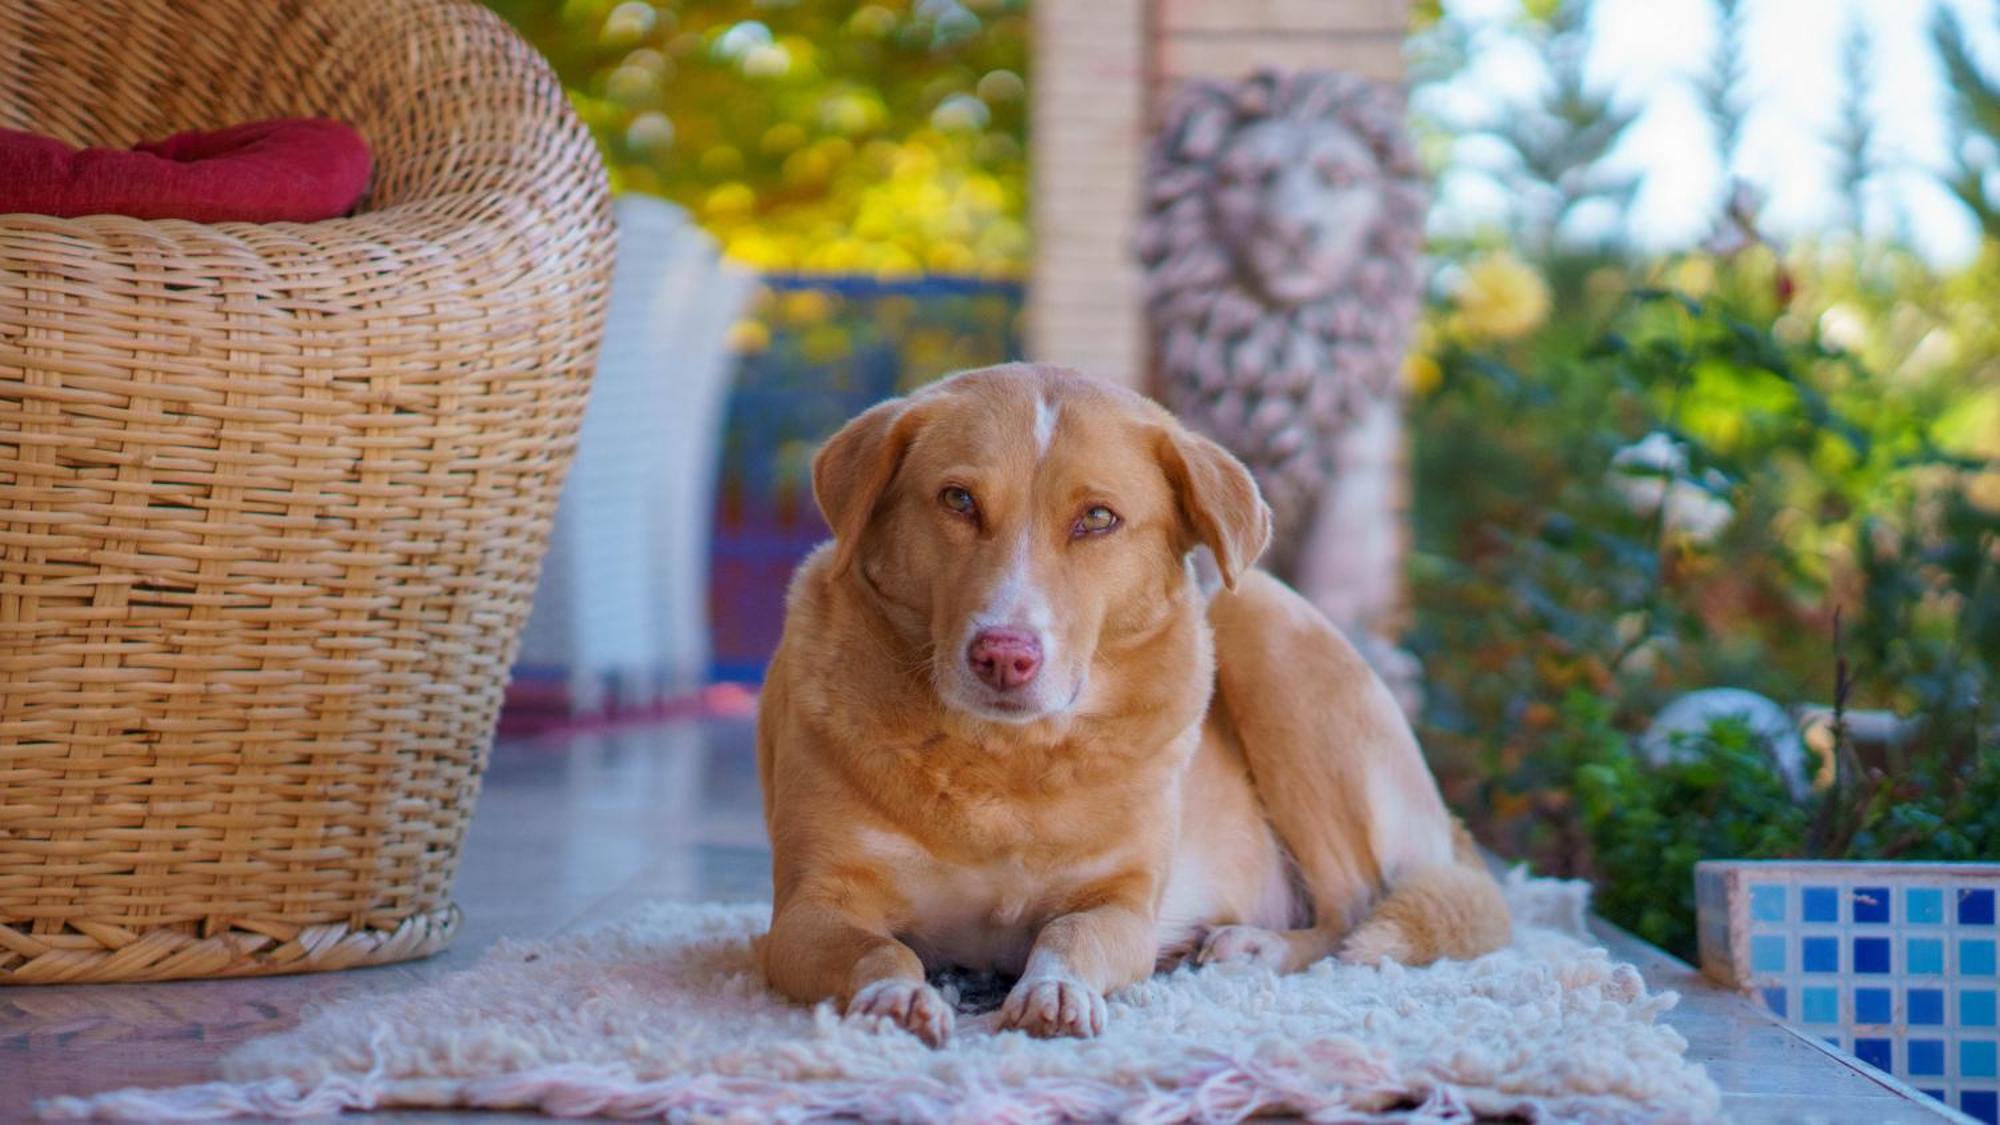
(272, 498)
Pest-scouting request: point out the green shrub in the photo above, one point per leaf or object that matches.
(1556, 616)
(1648, 825)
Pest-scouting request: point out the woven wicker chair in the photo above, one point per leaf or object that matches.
(272, 498)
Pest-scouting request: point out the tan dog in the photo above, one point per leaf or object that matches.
(1007, 729)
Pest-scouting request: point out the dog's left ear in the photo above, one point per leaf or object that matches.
(1218, 499)
(853, 469)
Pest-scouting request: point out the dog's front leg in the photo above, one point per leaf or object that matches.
(1077, 958)
(817, 951)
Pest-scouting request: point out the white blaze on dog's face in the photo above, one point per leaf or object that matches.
(1016, 521)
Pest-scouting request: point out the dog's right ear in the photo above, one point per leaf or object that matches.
(853, 469)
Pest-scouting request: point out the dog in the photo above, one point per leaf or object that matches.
(1034, 712)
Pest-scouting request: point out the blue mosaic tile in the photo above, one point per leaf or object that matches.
(1819, 1005)
(1873, 1005)
(1975, 957)
(1975, 907)
(1767, 902)
(1903, 976)
(1926, 957)
(1924, 906)
(1767, 953)
(1871, 954)
(1981, 1105)
(1926, 1056)
(1978, 1058)
(1924, 1007)
(1774, 999)
(1975, 1007)
(1934, 1095)
(1871, 904)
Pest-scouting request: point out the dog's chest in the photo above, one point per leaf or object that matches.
(976, 916)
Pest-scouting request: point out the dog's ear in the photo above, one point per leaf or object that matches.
(853, 469)
(1218, 499)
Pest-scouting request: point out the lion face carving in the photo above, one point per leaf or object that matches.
(1295, 202)
(1282, 240)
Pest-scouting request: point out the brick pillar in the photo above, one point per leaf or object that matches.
(1231, 38)
(1087, 87)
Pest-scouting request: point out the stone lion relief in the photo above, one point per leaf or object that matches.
(1282, 240)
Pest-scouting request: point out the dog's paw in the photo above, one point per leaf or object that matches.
(1243, 945)
(1054, 1006)
(914, 1006)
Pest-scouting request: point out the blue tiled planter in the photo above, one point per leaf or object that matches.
(1895, 962)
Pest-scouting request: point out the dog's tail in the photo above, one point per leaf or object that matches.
(1451, 911)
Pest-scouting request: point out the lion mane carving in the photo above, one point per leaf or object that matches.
(1282, 239)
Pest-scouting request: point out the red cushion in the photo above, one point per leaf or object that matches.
(262, 172)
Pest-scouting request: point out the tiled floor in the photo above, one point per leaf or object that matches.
(573, 830)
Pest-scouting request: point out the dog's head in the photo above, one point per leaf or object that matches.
(1018, 521)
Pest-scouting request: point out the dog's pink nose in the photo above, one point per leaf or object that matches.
(1005, 658)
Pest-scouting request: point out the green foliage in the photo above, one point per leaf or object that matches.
(1646, 826)
(884, 138)
(1556, 613)
(1975, 119)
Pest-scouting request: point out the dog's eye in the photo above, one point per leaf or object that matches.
(1095, 520)
(958, 500)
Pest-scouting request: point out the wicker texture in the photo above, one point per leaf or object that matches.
(272, 498)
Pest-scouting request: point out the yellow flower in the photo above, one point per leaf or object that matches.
(841, 255)
(722, 160)
(757, 250)
(730, 201)
(1501, 297)
(946, 257)
(893, 263)
(807, 168)
(806, 306)
(782, 138)
(747, 337)
(1421, 374)
(1694, 276)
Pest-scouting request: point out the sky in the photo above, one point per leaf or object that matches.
(1647, 52)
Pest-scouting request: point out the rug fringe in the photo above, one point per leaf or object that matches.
(1233, 1091)
(211, 1101)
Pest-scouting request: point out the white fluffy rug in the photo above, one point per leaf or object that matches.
(664, 1016)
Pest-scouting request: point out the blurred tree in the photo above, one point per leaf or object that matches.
(1560, 143)
(811, 135)
(1721, 89)
(1435, 53)
(1975, 122)
(1854, 133)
